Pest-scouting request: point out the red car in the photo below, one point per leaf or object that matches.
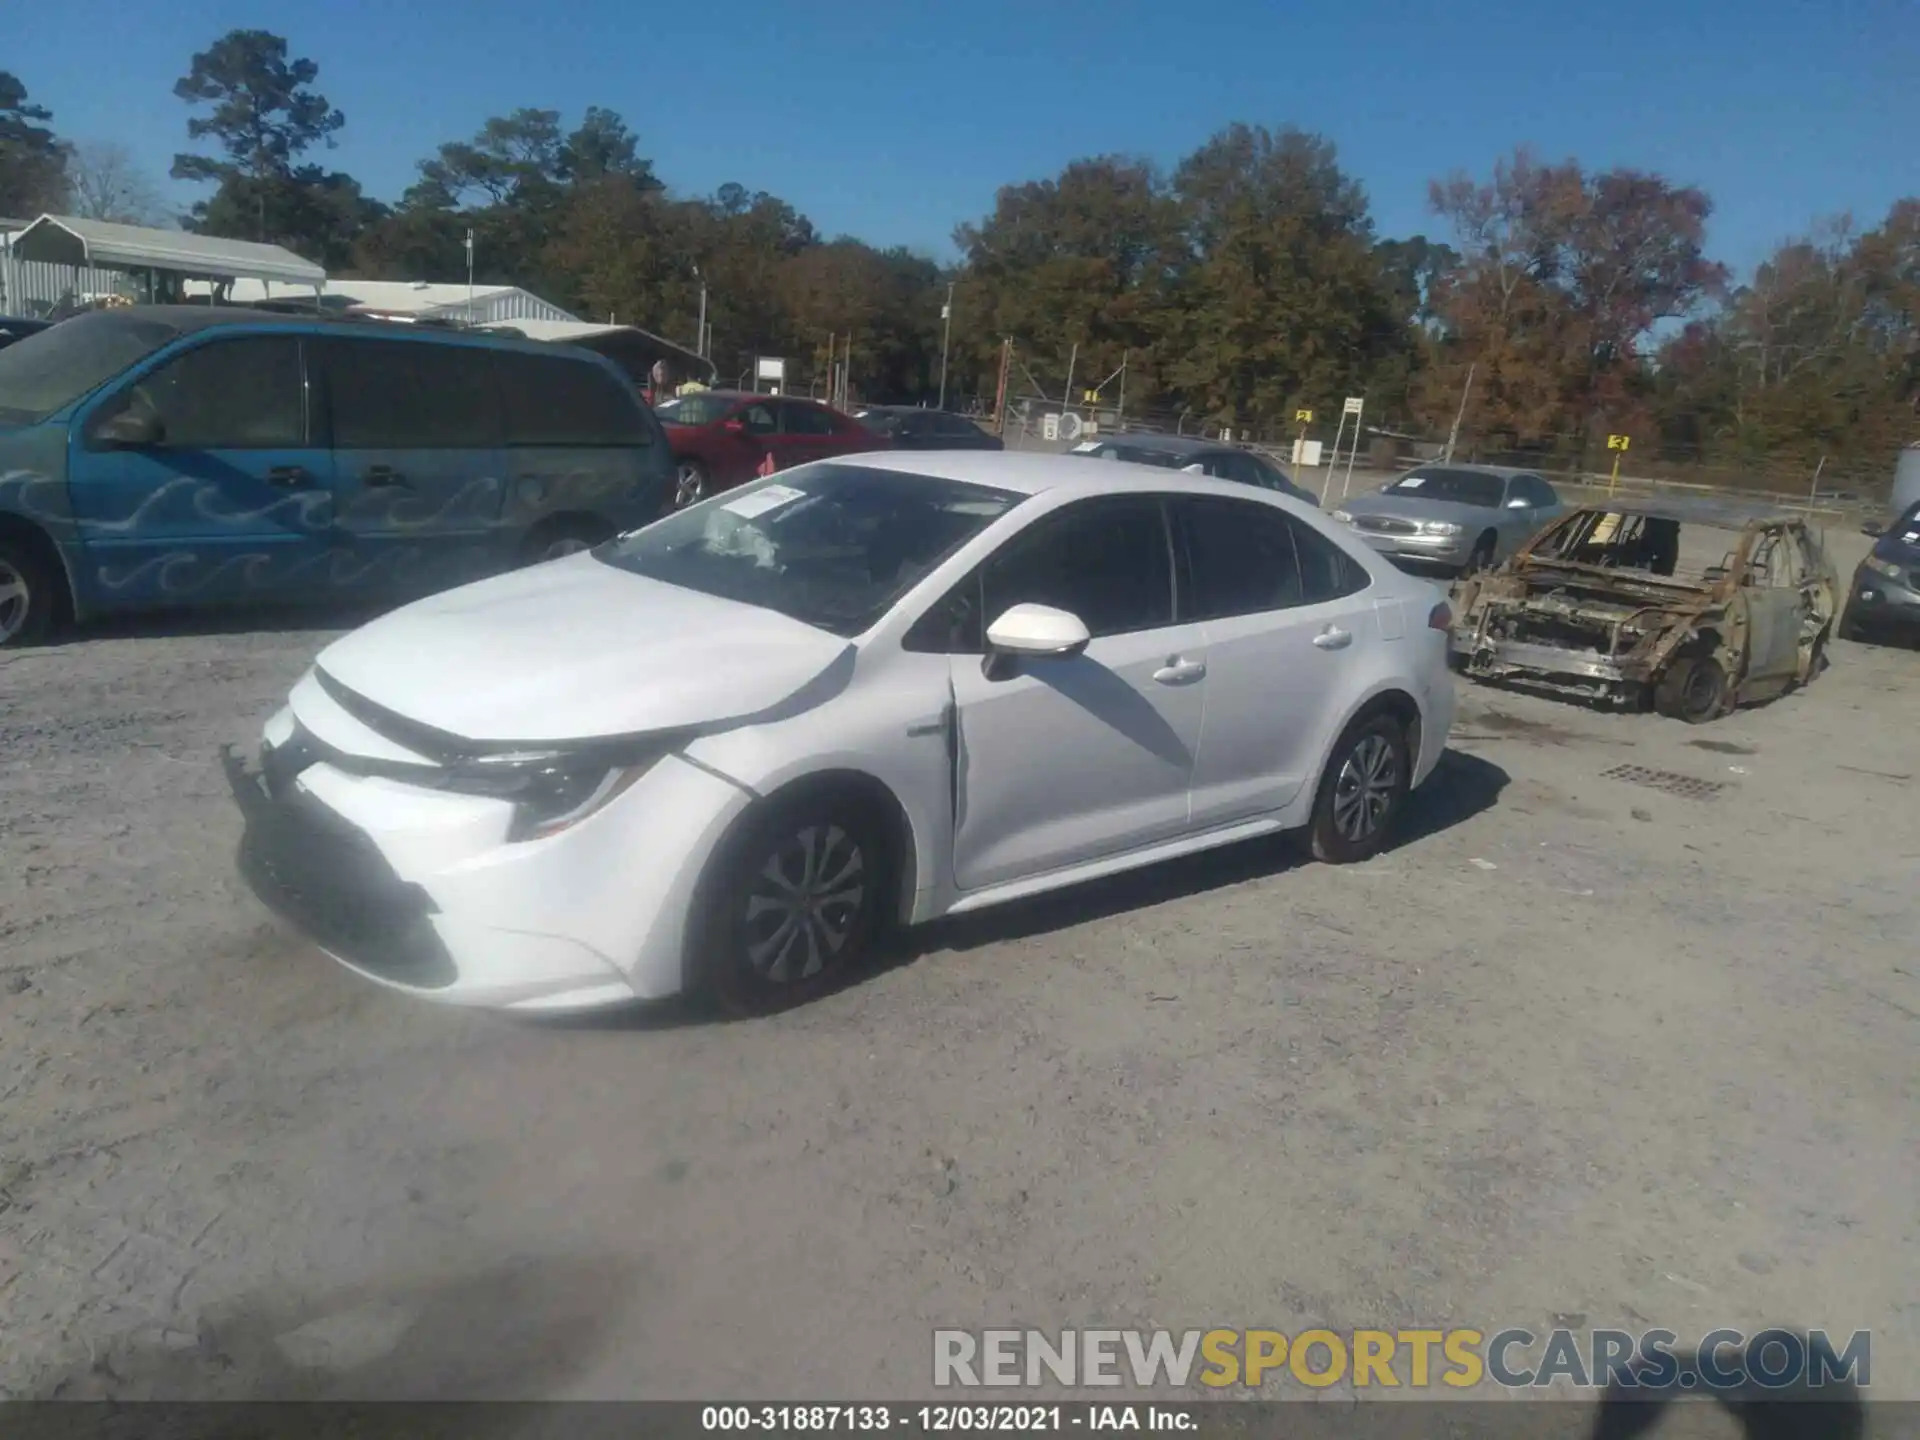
(721, 438)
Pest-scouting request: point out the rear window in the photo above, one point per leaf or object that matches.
(696, 409)
(555, 400)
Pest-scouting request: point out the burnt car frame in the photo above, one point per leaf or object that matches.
(1611, 603)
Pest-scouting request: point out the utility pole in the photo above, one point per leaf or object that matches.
(470, 277)
(946, 332)
(1453, 435)
(700, 330)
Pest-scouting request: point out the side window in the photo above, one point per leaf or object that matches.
(1106, 561)
(555, 400)
(1536, 491)
(805, 419)
(410, 395)
(955, 427)
(247, 393)
(1269, 475)
(1326, 571)
(758, 418)
(1241, 559)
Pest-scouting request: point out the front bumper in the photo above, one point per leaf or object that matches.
(1878, 603)
(420, 890)
(1450, 550)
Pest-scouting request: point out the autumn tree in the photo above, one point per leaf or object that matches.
(1562, 278)
(32, 160)
(107, 183)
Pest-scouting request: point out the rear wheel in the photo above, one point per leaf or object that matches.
(1361, 790)
(27, 596)
(557, 539)
(690, 483)
(797, 906)
(1694, 689)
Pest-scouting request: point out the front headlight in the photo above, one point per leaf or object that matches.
(1439, 527)
(551, 791)
(1882, 567)
(1343, 517)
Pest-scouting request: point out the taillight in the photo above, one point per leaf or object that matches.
(1440, 617)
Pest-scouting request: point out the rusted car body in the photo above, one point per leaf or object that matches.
(1691, 608)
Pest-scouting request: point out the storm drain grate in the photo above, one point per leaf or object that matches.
(1684, 786)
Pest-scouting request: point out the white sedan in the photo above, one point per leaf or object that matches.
(727, 751)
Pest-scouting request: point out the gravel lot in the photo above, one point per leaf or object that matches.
(1577, 1050)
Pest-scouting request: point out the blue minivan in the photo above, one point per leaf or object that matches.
(158, 456)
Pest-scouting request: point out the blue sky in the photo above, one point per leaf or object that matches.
(895, 122)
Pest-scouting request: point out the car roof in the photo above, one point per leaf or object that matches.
(1501, 472)
(744, 397)
(1165, 444)
(1028, 472)
(188, 319)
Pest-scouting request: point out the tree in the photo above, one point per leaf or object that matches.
(516, 159)
(603, 146)
(264, 116)
(1563, 276)
(1283, 301)
(107, 183)
(32, 160)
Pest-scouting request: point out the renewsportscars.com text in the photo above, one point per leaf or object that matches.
(1459, 1359)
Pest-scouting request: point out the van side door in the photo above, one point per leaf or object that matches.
(198, 477)
(580, 447)
(419, 461)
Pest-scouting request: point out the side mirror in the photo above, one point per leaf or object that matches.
(1038, 630)
(130, 429)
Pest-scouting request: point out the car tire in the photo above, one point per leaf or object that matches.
(557, 539)
(1481, 557)
(691, 483)
(1694, 689)
(28, 596)
(1361, 791)
(798, 904)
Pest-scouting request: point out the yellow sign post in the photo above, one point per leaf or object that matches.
(1305, 417)
(1618, 445)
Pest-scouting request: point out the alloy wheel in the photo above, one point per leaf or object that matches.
(1364, 791)
(16, 601)
(805, 904)
(690, 486)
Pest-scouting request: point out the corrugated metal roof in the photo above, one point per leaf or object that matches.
(444, 300)
(66, 240)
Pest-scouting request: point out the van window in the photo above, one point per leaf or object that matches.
(43, 372)
(555, 400)
(411, 395)
(244, 393)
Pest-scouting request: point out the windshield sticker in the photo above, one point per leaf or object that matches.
(1086, 449)
(1412, 482)
(1912, 537)
(759, 502)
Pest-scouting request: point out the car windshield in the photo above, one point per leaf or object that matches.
(1457, 487)
(694, 409)
(831, 545)
(42, 373)
(882, 422)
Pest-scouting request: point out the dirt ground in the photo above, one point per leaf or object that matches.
(1578, 1051)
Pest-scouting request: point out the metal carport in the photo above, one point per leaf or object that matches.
(164, 259)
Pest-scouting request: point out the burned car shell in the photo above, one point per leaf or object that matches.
(1593, 606)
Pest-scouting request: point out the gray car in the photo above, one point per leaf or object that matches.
(1203, 457)
(1455, 517)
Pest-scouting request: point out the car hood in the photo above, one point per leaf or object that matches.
(1901, 543)
(577, 649)
(1415, 507)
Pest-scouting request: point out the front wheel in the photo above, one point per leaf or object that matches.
(26, 596)
(1361, 791)
(1694, 689)
(797, 906)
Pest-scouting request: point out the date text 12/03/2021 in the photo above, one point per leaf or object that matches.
(948, 1419)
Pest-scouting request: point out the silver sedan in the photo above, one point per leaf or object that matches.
(1454, 517)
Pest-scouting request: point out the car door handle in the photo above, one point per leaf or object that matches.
(380, 477)
(1333, 638)
(1179, 672)
(288, 475)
